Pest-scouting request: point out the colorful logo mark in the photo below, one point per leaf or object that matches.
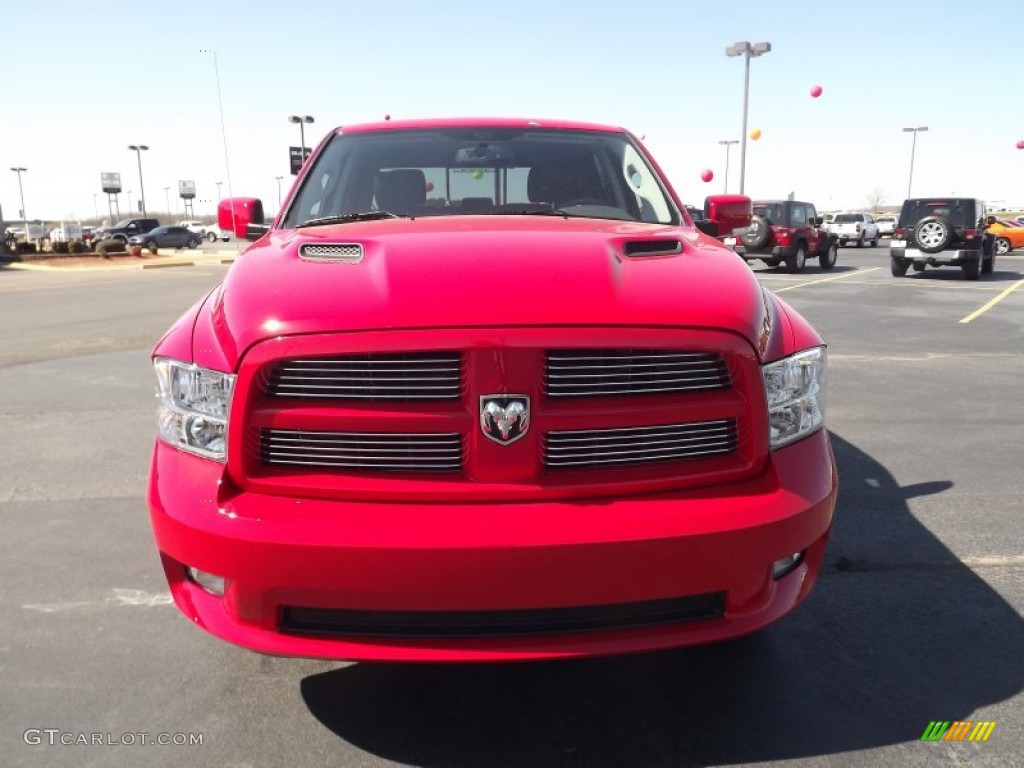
(958, 730)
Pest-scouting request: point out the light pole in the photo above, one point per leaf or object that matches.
(167, 199)
(21, 194)
(278, 180)
(728, 143)
(139, 149)
(218, 183)
(129, 193)
(301, 120)
(746, 50)
(913, 147)
(96, 207)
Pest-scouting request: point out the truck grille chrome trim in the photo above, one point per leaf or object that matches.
(342, 253)
(639, 445)
(598, 373)
(362, 450)
(394, 376)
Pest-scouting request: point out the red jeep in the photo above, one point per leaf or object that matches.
(789, 232)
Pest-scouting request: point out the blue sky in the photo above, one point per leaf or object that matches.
(72, 104)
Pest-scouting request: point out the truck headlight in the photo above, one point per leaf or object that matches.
(193, 408)
(795, 389)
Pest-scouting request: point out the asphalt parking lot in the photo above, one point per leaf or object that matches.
(917, 616)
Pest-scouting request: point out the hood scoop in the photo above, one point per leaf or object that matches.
(645, 248)
(341, 253)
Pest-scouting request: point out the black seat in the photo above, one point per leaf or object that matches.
(565, 182)
(402, 191)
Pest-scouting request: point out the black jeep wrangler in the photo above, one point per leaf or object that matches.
(942, 231)
(787, 231)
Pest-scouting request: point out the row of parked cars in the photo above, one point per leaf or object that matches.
(149, 233)
(928, 232)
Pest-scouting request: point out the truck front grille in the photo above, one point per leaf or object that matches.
(602, 372)
(362, 450)
(639, 445)
(395, 376)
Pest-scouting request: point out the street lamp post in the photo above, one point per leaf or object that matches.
(278, 180)
(728, 143)
(139, 149)
(21, 194)
(167, 199)
(218, 183)
(745, 49)
(301, 120)
(129, 193)
(913, 147)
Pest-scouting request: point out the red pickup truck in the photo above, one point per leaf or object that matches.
(482, 391)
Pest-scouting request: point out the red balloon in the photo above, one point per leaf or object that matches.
(706, 175)
(815, 91)
(1020, 144)
(430, 186)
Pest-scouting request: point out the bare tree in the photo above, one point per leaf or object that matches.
(875, 198)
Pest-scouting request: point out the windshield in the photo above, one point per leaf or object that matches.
(479, 171)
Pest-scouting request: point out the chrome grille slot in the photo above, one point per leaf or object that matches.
(603, 372)
(395, 376)
(362, 450)
(344, 253)
(639, 445)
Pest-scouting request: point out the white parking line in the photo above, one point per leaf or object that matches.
(985, 308)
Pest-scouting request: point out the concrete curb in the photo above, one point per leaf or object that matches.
(213, 259)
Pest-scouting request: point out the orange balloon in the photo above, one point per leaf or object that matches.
(755, 133)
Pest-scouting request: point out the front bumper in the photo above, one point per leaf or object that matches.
(286, 556)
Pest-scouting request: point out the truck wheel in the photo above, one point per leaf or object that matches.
(795, 263)
(919, 266)
(932, 234)
(860, 241)
(898, 266)
(211, 237)
(874, 241)
(972, 271)
(827, 258)
(987, 267)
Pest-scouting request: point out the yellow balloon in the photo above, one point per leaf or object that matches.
(755, 133)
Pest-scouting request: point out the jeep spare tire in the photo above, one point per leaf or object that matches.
(756, 234)
(932, 234)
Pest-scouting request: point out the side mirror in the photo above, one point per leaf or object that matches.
(818, 221)
(254, 232)
(707, 226)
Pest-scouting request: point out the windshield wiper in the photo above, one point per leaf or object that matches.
(344, 218)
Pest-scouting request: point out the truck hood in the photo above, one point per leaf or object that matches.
(486, 271)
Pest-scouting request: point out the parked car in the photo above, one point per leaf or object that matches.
(166, 237)
(886, 224)
(126, 228)
(401, 430)
(1009, 234)
(942, 231)
(857, 227)
(787, 231)
(206, 231)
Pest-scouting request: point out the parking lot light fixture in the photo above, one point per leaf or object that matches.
(746, 50)
(138, 149)
(728, 144)
(21, 193)
(913, 146)
(301, 120)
